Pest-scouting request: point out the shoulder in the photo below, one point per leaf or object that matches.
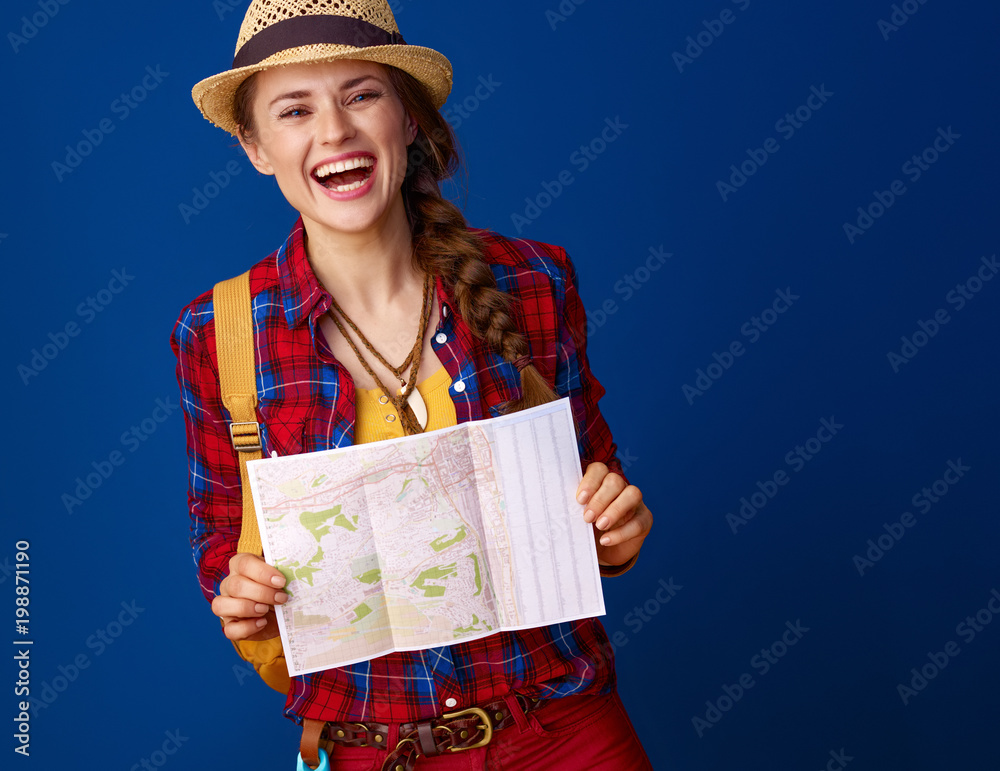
(197, 318)
(522, 257)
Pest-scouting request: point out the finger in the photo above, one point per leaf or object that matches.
(234, 607)
(244, 588)
(240, 629)
(637, 526)
(591, 482)
(253, 567)
(612, 488)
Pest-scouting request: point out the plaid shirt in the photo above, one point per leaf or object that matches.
(306, 404)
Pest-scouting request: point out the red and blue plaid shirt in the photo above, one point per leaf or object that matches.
(306, 404)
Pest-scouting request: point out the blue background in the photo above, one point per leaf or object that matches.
(63, 233)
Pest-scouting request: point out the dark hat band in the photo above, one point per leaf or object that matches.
(312, 30)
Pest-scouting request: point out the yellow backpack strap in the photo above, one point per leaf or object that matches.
(234, 344)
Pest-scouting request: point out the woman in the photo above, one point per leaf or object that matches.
(381, 316)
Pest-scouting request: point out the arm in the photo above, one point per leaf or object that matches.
(242, 588)
(621, 519)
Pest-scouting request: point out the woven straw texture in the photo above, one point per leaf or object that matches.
(214, 95)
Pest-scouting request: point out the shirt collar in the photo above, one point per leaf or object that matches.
(447, 312)
(301, 291)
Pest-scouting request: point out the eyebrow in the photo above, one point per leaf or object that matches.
(290, 95)
(305, 94)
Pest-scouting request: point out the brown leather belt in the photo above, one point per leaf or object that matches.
(464, 729)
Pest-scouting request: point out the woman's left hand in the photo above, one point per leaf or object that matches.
(621, 520)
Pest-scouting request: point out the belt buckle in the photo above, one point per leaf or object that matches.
(486, 727)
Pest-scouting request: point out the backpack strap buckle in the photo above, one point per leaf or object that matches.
(245, 436)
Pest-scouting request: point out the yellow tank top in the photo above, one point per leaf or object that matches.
(376, 421)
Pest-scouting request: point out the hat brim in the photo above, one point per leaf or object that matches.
(214, 95)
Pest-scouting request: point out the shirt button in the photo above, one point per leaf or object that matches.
(459, 386)
(441, 338)
(450, 703)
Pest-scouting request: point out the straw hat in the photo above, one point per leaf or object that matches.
(279, 32)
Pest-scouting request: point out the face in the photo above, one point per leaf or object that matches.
(334, 135)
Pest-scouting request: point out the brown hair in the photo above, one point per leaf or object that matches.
(443, 244)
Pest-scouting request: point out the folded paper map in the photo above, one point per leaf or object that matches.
(428, 540)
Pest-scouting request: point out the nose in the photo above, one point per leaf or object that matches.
(334, 126)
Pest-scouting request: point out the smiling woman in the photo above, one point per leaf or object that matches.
(381, 281)
(300, 122)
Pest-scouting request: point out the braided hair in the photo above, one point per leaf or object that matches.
(443, 244)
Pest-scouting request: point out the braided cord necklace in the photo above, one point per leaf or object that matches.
(407, 417)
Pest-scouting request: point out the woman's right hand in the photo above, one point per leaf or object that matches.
(247, 597)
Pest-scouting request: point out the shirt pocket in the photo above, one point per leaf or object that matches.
(282, 431)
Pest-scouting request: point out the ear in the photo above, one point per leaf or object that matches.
(256, 156)
(412, 127)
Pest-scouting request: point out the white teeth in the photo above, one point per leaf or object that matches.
(339, 166)
(348, 188)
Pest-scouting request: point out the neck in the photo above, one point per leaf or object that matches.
(366, 269)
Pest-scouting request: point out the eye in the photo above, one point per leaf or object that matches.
(365, 96)
(293, 112)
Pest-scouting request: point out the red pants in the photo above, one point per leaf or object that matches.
(572, 733)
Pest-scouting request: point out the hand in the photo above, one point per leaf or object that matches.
(247, 597)
(621, 520)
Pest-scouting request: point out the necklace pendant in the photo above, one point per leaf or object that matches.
(417, 404)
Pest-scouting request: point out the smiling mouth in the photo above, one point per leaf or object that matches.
(344, 176)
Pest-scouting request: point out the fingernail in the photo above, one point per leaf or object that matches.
(582, 497)
(280, 597)
(606, 540)
(588, 516)
(602, 523)
(260, 608)
(261, 622)
(278, 581)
